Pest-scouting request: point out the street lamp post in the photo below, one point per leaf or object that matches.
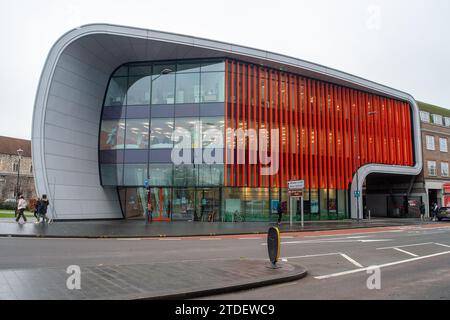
(19, 153)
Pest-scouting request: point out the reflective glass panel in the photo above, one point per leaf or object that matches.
(163, 91)
(210, 175)
(112, 134)
(188, 67)
(134, 174)
(213, 131)
(136, 134)
(117, 90)
(161, 133)
(212, 87)
(191, 127)
(188, 88)
(213, 66)
(111, 174)
(138, 91)
(185, 175)
(160, 174)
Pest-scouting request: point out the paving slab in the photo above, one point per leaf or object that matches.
(180, 280)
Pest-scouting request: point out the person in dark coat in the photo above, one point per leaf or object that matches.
(42, 208)
(280, 212)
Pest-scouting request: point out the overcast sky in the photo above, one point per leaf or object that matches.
(404, 44)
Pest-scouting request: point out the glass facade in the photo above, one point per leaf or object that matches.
(152, 108)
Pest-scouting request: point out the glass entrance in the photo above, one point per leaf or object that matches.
(183, 204)
(161, 201)
(208, 204)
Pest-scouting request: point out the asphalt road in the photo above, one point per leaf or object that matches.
(414, 260)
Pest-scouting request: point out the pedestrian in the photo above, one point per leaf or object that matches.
(435, 211)
(149, 212)
(42, 208)
(422, 212)
(280, 212)
(21, 206)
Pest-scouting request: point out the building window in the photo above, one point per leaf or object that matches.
(444, 169)
(432, 168)
(15, 167)
(424, 116)
(447, 121)
(31, 169)
(443, 144)
(437, 119)
(430, 142)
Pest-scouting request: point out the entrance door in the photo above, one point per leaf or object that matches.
(183, 204)
(208, 205)
(161, 200)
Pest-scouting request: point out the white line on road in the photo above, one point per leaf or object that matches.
(442, 245)
(406, 245)
(313, 255)
(407, 252)
(351, 260)
(332, 241)
(128, 239)
(206, 239)
(169, 239)
(380, 266)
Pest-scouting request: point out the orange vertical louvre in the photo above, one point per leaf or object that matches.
(327, 136)
(308, 113)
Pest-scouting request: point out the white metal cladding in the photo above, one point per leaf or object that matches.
(70, 95)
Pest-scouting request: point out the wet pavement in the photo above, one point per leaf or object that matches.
(138, 228)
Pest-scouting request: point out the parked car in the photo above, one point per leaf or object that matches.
(443, 213)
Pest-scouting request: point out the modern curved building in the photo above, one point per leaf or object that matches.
(111, 97)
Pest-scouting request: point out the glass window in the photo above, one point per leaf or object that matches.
(160, 174)
(111, 174)
(213, 66)
(117, 90)
(185, 175)
(213, 132)
(443, 144)
(163, 84)
(191, 125)
(138, 91)
(112, 134)
(432, 168)
(161, 133)
(444, 169)
(136, 136)
(140, 70)
(437, 119)
(424, 116)
(134, 174)
(121, 72)
(135, 203)
(210, 175)
(430, 142)
(185, 67)
(188, 88)
(447, 121)
(212, 87)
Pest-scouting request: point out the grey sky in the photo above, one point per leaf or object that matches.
(403, 44)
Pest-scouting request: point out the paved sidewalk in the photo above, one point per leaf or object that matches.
(180, 280)
(138, 228)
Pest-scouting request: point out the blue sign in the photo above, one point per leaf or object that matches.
(146, 183)
(357, 194)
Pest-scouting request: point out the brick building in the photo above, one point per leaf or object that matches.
(9, 163)
(435, 134)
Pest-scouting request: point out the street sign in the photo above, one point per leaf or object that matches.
(295, 193)
(357, 194)
(146, 183)
(296, 184)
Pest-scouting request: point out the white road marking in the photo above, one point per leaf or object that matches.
(407, 252)
(351, 260)
(128, 239)
(169, 239)
(284, 259)
(206, 239)
(332, 241)
(442, 245)
(406, 245)
(314, 255)
(332, 275)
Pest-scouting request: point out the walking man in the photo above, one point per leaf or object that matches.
(42, 208)
(280, 212)
(21, 206)
(422, 212)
